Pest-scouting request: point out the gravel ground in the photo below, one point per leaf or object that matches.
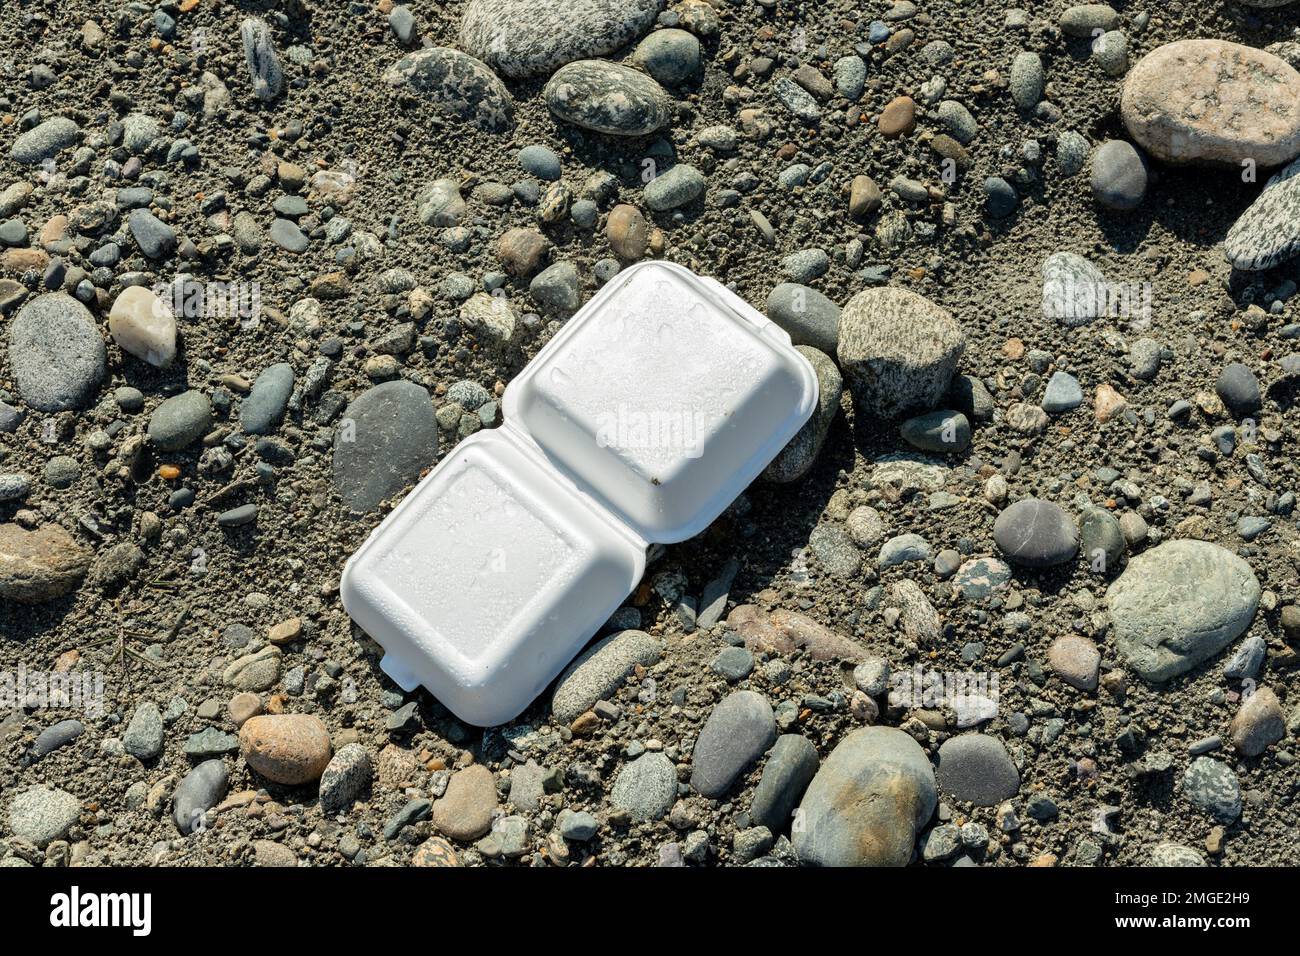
(1111, 558)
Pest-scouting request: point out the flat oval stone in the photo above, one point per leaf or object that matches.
(1213, 101)
(40, 565)
(810, 317)
(607, 98)
(261, 410)
(867, 803)
(737, 733)
(535, 37)
(1268, 232)
(200, 790)
(286, 748)
(385, 439)
(44, 141)
(56, 353)
(1179, 604)
(1036, 534)
(456, 84)
(977, 768)
(180, 420)
(598, 671)
(646, 787)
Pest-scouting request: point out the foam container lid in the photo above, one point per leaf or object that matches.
(638, 423)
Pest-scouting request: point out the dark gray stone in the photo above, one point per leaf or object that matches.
(737, 733)
(977, 769)
(809, 317)
(789, 769)
(385, 439)
(1036, 534)
(200, 791)
(260, 412)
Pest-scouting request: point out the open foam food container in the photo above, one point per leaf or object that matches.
(639, 422)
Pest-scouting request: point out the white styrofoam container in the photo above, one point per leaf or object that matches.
(640, 422)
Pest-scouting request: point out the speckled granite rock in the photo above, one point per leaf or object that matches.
(1213, 101)
(456, 84)
(1268, 232)
(607, 98)
(898, 351)
(520, 38)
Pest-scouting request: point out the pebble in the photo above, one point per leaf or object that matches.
(898, 118)
(791, 765)
(1246, 660)
(943, 432)
(1119, 175)
(387, 436)
(903, 549)
(678, 187)
(647, 787)
(45, 141)
(806, 265)
(600, 670)
(1000, 197)
(1074, 290)
(55, 736)
(1175, 854)
(156, 239)
(1035, 533)
(1213, 101)
(56, 354)
(291, 749)
(1212, 786)
(628, 232)
(142, 325)
(1239, 389)
(671, 56)
(607, 98)
(867, 802)
(976, 768)
(1076, 661)
(809, 316)
(737, 733)
(1026, 80)
(41, 815)
(801, 104)
(346, 778)
(898, 351)
(264, 70)
(1063, 393)
(200, 790)
(1268, 232)
(557, 289)
(1258, 723)
(1179, 604)
(441, 203)
(521, 38)
(143, 738)
(180, 421)
(1086, 20)
(799, 454)
(40, 565)
(536, 160)
(262, 408)
(457, 85)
